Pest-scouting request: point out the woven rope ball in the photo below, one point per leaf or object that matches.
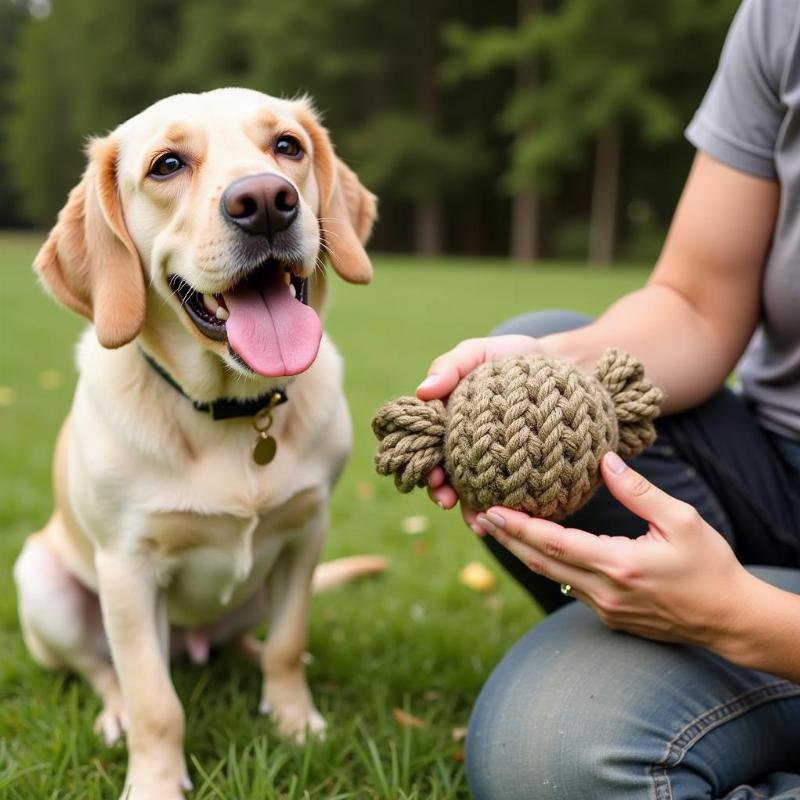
(525, 432)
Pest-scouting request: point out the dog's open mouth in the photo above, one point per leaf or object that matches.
(265, 319)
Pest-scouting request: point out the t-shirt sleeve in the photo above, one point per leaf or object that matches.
(740, 117)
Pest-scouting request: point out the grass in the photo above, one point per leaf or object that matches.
(415, 639)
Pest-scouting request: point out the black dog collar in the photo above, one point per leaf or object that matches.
(225, 407)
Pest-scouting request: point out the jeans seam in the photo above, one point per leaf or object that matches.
(691, 733)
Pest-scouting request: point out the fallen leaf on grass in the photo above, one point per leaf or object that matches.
(459, 734)
(493, 602)
(420, 547)
(477, 577)
(365, 491)
(7, 396)
(458, 755)
(406, 720)
(50, 379)
(432, 695)
(414, 525)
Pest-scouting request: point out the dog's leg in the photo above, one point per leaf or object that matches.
(63, 629)
(286, 696)
(134, 613)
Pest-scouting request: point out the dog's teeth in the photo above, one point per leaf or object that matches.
(210, 302)
(292, 290)
(221, 313)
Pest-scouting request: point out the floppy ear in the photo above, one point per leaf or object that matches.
(89, 262)
(347, 210)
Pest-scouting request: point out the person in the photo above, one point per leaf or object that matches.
(676, 675)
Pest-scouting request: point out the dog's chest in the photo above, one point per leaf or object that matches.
(211, 563)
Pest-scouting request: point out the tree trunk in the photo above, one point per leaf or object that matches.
(525, 226)
(428, 222)
(602, 231)
(428, 227)
(472, 228)
(525, 244)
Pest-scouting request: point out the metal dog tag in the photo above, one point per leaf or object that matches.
(264, 449)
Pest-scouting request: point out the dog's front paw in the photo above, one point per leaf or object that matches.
(144, 785)
(141, 791)
(295, 720)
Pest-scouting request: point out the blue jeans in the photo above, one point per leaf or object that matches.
(577, 711)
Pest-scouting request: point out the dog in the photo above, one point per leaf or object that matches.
(193, 473)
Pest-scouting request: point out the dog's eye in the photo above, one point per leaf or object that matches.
(167, 165)
(289, 146)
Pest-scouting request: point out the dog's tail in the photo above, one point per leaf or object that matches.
(334, 573)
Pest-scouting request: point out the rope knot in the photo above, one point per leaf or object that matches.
(637, 400)
(411, 434)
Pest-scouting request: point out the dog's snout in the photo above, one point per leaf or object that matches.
(261, 204)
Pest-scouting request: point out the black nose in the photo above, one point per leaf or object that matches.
(261, 204)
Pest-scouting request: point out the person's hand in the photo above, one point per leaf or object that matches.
(679, 582)
(444, 375)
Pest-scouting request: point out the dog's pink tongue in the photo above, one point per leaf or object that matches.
(272, 331)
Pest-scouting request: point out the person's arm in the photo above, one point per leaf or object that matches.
(693, 319)
(691, 322)
(767, 634)
(679, 582)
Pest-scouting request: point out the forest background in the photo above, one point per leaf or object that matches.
(536, 129)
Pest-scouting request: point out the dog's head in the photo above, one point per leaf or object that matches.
(222, 205)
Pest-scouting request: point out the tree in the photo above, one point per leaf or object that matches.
(11, 17)
(80, 71)
(602, 70)
(375, 67)
(525, 245)
(210, 48)
(461, 116)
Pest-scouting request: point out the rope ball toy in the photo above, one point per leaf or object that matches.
(525, 432)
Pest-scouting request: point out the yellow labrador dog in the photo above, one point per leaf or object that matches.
(193, 473)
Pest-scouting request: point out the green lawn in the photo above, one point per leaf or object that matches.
(415, 639)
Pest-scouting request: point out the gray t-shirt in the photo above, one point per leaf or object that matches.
(750, 120)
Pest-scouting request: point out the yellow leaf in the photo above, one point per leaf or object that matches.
(477, 577)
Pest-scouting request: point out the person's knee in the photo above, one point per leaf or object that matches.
(542, 323)
(555, 717)
(523, 740)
